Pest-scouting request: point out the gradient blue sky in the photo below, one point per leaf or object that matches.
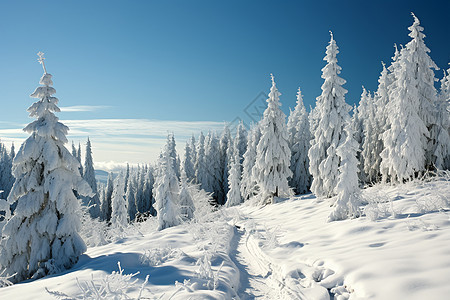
(193, 64)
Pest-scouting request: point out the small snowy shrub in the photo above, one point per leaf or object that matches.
(379, 206)
(4, 280)
(206, 272)
(202, 202)
(185, 286)
(433, 199)
(158, 256)
(113, 286)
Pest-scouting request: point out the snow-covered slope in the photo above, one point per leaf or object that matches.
(403, 253)
(400, 249)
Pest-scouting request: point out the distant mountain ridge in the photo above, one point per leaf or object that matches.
(101, 176)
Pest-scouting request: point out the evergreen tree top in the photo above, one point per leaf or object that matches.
(417, 44)
(300, 104)
(331, 52)
(333, 83)
(415, 28)
(274, 95)
(47, 124)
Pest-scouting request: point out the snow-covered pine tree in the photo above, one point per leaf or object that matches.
(406, 140)
(442, 150)
(74, 150)
(369, 152)
(79, 160)
(355, 123)
(6, 177)
(148, 187)
(421, 68)
(102, 195)
(381, 100)
(225, 145)
(173, 153)
(187, 208)
(273, 155)
(299, 143)
(119, 215)
(127, 176)
(444, 93)
(394, 64)
(131, 198)
(234, 193)
(347, 189)
(140, 199)
(42, 237)
(214, 170)
(200, 166)
(89, 176)
(248, 182)
(193, 146)
(106, 204)
(166, 192)
(12, 153)
(240, 140)
(188, 162)
(330, 116)
(360, 134)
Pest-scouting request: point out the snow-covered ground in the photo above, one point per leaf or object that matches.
(400, 249)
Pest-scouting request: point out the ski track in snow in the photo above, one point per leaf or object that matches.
(255, 270)
(262, 278)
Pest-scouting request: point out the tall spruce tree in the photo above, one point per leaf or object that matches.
(356, 128)
(240, 140)
(272, 152)
(42, 237)
(89, 176)
(119, 215)
(187, 207)
(131, 197)
(369, 153)
(214, 170)
(442, 149)
(173, 153)
(127, 176)
(6, 175)
(79, 159)
(106, 204)
(299, 143)
(347, 189)
(381, 101)
(248, 182)
(234, 178)
(188, 162)
(200, 163)
(166, 192)
(420, 68)
(330, 116)
(407, 138)
(225, 145)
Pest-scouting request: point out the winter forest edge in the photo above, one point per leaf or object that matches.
(55, 208)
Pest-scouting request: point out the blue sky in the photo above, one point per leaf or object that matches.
(192, 64)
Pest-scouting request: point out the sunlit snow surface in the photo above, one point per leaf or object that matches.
(400, 249)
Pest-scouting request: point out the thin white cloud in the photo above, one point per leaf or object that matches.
(110, 166)
(78, 108)
(142, 126)
(117, 141)
(134, 140)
